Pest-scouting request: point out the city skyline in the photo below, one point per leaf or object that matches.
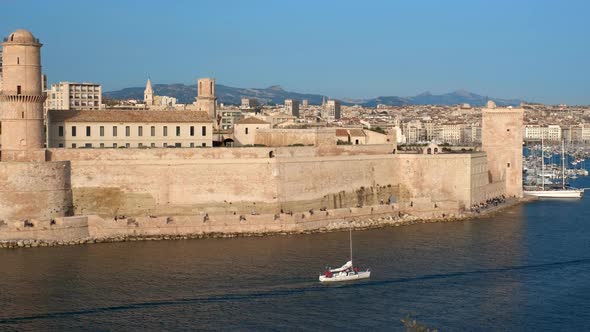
(530, 50)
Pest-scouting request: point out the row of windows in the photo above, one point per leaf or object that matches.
(128, 145)
(128, 131)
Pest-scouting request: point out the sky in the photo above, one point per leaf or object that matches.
(534, 50)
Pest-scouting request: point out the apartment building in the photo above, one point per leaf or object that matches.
(72, 96)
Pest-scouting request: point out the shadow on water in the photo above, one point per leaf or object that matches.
(293, 289)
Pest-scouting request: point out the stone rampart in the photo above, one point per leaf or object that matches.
(92, 228)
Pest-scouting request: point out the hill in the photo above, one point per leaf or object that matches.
(277, 95)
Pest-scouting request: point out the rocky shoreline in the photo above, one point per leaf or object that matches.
(357, 223)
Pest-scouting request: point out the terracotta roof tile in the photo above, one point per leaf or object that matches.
(128, 116)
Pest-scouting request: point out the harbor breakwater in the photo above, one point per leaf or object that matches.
(95, 229)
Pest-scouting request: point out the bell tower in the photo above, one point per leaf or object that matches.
(148, 94)
(206, 96)
(22, 97)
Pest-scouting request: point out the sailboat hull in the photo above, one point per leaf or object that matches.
(566, 193)
(344, 276)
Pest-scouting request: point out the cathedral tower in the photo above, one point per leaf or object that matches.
(22, 97)
(502, 137)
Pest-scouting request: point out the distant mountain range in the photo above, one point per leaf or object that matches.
(276, 95)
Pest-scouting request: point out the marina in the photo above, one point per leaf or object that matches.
(547, 171)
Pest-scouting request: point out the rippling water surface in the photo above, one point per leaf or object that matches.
(527, 268)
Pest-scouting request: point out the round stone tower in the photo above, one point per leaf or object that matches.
(30, 186)
(21, 101)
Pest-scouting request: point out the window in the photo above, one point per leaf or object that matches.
(508, 165)
(101, 129)
(192, 130)
(87, 131)
(74, 131)
(153, 145)
(178, 145)
(165, 131)
(192, 145)
(140, 131)
(204, 144)
(246, 131)
(203, 131)
(140, 145)
(153, 130)
(127, 145)
(18, 91)
(73, 145)
(60, 131)
(177, 130)
(102, 145)
(127, 131)
(18, 60)
(114, 145)
(165, 145)
(115, 132)
(88, 145)
(60, 145)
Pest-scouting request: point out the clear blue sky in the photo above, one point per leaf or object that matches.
(531, 49)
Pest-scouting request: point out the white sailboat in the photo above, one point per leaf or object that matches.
(347, 272)
(563, 192)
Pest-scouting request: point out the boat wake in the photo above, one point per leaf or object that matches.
(285, 290)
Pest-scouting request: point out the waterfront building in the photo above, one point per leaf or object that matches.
(73, 96)
(129, 129)
(551, 133)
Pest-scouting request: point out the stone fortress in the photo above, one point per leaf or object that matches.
(57, 193)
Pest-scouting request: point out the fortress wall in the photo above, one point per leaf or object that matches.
(286, 137)
(60, 154)
(38, 190)
(182, 181)
(138, 182)
(440, 177)
(336, 181)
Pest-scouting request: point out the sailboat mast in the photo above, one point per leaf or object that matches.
(350, 236)
(563, 164)
(542, 165)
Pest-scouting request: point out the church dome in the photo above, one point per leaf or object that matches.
(22, 36)
(490, 104)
